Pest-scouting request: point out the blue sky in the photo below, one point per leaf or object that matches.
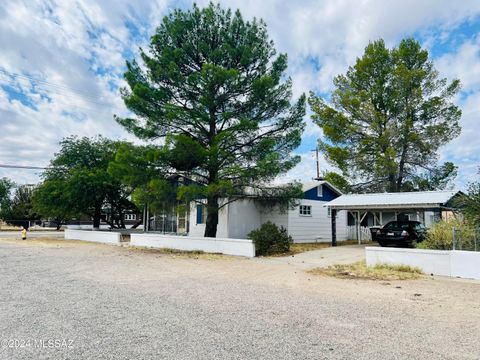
(62, 62)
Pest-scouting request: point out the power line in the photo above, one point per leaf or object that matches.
(47, 83)
(65, 95)
(7, 166)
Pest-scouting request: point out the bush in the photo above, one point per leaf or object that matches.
(270, 239)
(440, 236)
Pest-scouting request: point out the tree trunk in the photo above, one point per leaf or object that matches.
(59, 224)
(137, 224)
(212, 217)
(391, 183)
(97, 217)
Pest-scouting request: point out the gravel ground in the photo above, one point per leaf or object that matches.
(109, 302)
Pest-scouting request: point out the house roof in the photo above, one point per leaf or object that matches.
(312, 184)
(404, 200)
(305, 187)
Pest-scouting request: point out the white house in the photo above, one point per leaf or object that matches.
(308, 222)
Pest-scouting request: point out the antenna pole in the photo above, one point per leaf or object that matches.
(318, 164)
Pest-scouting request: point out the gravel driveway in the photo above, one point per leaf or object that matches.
(105, 302)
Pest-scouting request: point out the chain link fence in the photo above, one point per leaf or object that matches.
(466, 239)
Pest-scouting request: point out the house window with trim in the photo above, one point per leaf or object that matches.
(305, 210)
(319, 190)
(130, 216)
(201, 214)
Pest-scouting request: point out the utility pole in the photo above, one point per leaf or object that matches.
(318, 165)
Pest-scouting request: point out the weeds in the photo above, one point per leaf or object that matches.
(360, 270)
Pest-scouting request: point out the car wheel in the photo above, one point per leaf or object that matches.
(382, 243)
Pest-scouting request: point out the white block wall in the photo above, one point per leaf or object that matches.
(104, 237)
(240, 247)
(464, 264)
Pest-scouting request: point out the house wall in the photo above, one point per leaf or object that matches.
(238, 218)
(243, 217)
(318, 226)
(199, 229)
(274, 215)
(327, 194)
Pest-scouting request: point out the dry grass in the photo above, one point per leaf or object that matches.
(56, 242)
(299, 248)
(195, 254)
(360, 270)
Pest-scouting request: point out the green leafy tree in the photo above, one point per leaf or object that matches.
(17, 208)
(78, 180)
(469, 203)
(6, 187)
(214, 84)
(388, 116)
(144, 169)
(338, 181)
(51, 200)
(438, 178)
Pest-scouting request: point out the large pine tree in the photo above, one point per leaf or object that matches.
(213, 83)
(388, 117)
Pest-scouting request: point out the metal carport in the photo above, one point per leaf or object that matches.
(378, 204)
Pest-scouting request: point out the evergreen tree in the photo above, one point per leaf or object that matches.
(388, 117)
(214, 83)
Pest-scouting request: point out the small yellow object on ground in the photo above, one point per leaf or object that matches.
(24, 234)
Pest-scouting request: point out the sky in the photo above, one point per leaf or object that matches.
(62, 64)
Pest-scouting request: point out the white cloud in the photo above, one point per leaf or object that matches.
(75, 49)
(306, 170)
(79, 45)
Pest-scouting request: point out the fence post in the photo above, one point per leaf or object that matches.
(475, 232)
(453, 238)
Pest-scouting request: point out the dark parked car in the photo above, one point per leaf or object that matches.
(400, 233)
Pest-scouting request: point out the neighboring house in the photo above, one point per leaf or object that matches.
(307, 222)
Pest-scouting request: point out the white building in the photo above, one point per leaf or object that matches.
(308, 222)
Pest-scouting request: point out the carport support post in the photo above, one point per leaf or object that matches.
(359, 235)
(333, 215)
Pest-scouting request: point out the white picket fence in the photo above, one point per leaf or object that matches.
(365, 233)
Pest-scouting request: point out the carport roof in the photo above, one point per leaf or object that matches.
(404, 200)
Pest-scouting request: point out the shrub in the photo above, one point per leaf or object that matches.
(440, 236)
(270, 239)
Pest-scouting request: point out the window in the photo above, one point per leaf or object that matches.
(329, 212)
(419, 226)
(201, 214)
(130, 216)
(319, 190)
(182, 223)
(305, 210)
